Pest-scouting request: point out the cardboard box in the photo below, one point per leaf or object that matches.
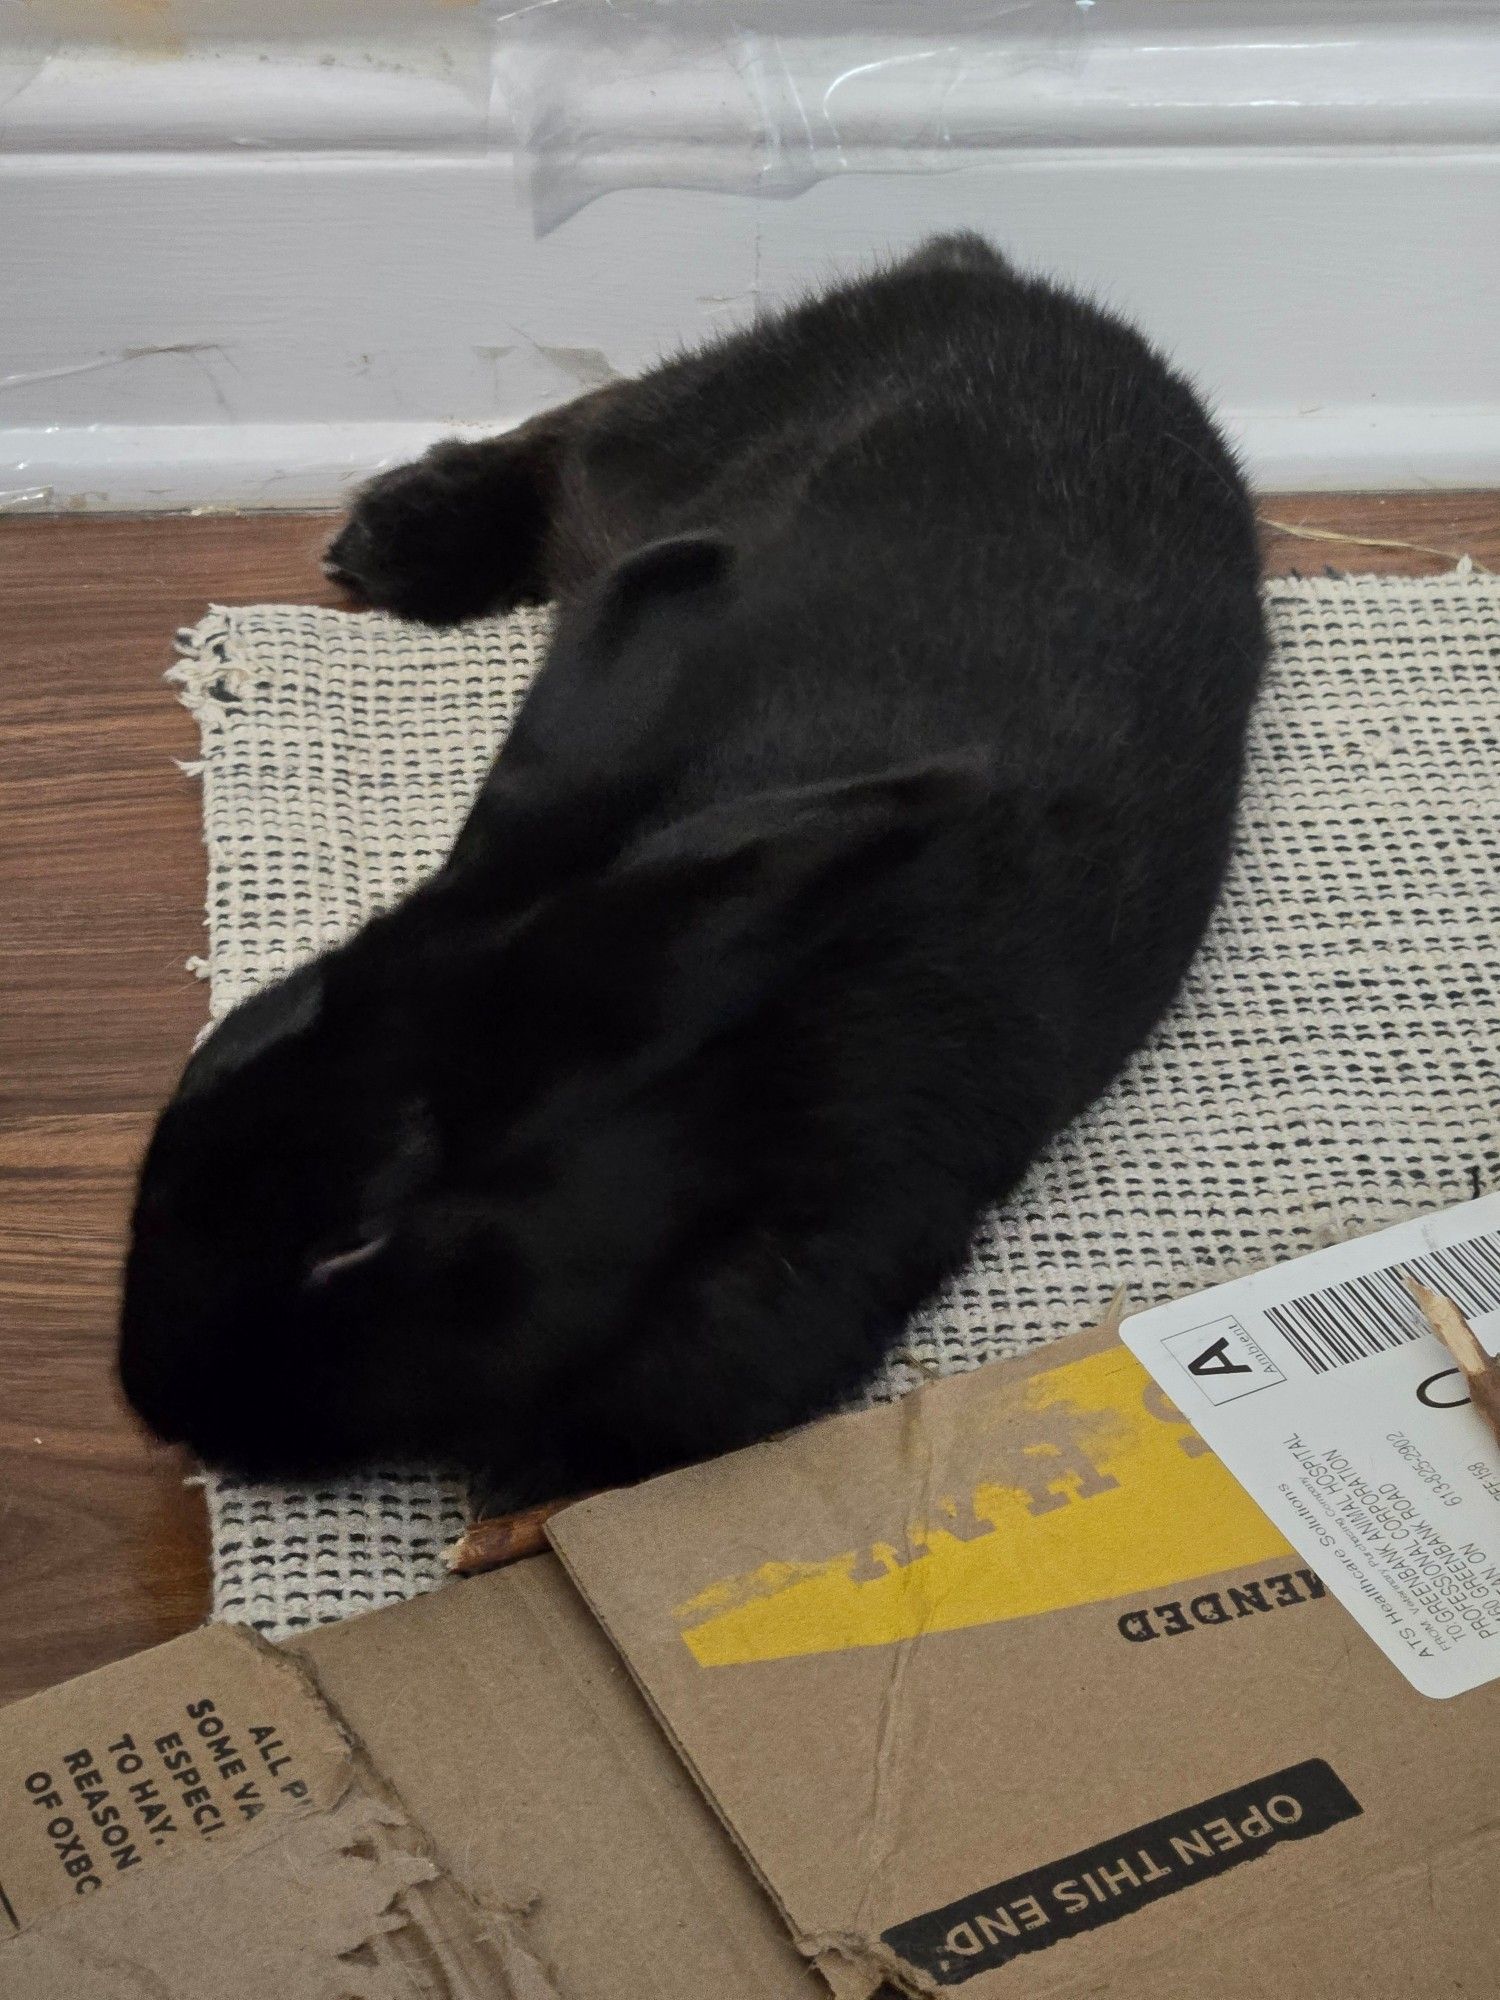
(1007, 1687)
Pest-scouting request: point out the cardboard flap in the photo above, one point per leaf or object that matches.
(976, 1677)
(193, 1822)
(509, 1726)
(111, 1775)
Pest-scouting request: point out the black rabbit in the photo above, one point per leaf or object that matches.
(863, 820)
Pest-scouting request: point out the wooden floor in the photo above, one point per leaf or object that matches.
(102, 1547)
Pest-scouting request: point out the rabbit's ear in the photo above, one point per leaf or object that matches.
(686, 572)
(738, 897)
(690, 931)
(790, 840)
(596, 738)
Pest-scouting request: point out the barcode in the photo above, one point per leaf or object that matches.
(1374, 1313)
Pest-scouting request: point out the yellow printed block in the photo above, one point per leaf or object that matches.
(1106, 1492)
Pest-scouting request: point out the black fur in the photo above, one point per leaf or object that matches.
(862, 822)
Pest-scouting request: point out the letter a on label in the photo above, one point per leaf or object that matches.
(1215, 1360)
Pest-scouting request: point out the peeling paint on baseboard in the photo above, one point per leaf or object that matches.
(589, 367)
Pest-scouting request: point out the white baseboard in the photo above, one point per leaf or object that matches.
(148, 468)
(187, 322)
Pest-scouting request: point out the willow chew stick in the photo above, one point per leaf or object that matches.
(503, 1538)
(1480, 1372)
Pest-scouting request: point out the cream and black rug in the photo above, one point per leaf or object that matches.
(1333, 1066)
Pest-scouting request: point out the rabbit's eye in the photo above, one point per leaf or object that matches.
(346, 1258)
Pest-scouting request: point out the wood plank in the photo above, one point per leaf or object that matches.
(1445, 525)
(102, 1548)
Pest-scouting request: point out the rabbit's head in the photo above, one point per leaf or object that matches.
(404, 1200)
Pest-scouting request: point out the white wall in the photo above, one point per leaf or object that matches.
(251, 251)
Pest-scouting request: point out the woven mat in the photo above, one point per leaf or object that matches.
(1334, 1065)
